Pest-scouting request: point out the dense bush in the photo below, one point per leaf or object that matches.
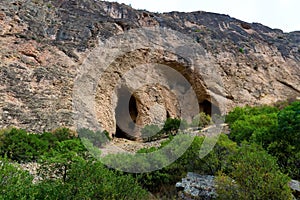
(91, 180)
(239, 113)
(278, 131)
(255, 175)
(286, 140)
(245, 172)
(77, 176)
(289, 125)
(18, 145)
(172, 126)
(85, 180)
(256, 128)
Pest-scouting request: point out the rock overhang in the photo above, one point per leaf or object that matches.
(166, 76)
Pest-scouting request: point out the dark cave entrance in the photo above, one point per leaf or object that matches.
(133, 108)
(126, 114)
(209, 108)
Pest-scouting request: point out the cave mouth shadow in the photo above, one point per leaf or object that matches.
(126, 113)
(209, 108)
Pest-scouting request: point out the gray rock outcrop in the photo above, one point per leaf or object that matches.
(195, 186)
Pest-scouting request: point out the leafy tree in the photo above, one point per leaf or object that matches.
(164, 179)
(61, 157)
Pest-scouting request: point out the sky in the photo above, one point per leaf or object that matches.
(282, 14)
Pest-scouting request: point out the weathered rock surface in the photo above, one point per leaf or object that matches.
(195, 186)
(295, 186)
(45, 45)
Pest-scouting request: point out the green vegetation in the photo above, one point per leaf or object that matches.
(256, 176)
(255, 161)
(14, 183)
(252, 124)
(85, 180)
(201, 120)
(277, 131)
(241, 50)
(20, 146)
(170, 128)
(174, 126)
(63, 156)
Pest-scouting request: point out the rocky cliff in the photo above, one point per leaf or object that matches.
(46, 46)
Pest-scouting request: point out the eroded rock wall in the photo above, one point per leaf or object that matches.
(44, 45)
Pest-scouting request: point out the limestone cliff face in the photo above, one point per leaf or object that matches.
(45, 46)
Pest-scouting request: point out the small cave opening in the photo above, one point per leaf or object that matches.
(209, 108)
(168, 115)
(126, 113)
(133, 108)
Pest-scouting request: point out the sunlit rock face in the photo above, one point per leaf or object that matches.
(45, 46)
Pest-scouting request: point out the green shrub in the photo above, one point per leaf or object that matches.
(201, 120)
(50, 138)
(14, 183)
(84, 180)
(20, 146)
(98, 139)
(97, 182)
(64, 134)
(241, 113)
(278, 131)
(256, 128)
(150, 131)
(256, 175)
(285, 143)
(171, 127)
(289, 125)
(241, 50)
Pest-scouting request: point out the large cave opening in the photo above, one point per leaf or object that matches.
(147, 64)
(126, 114)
